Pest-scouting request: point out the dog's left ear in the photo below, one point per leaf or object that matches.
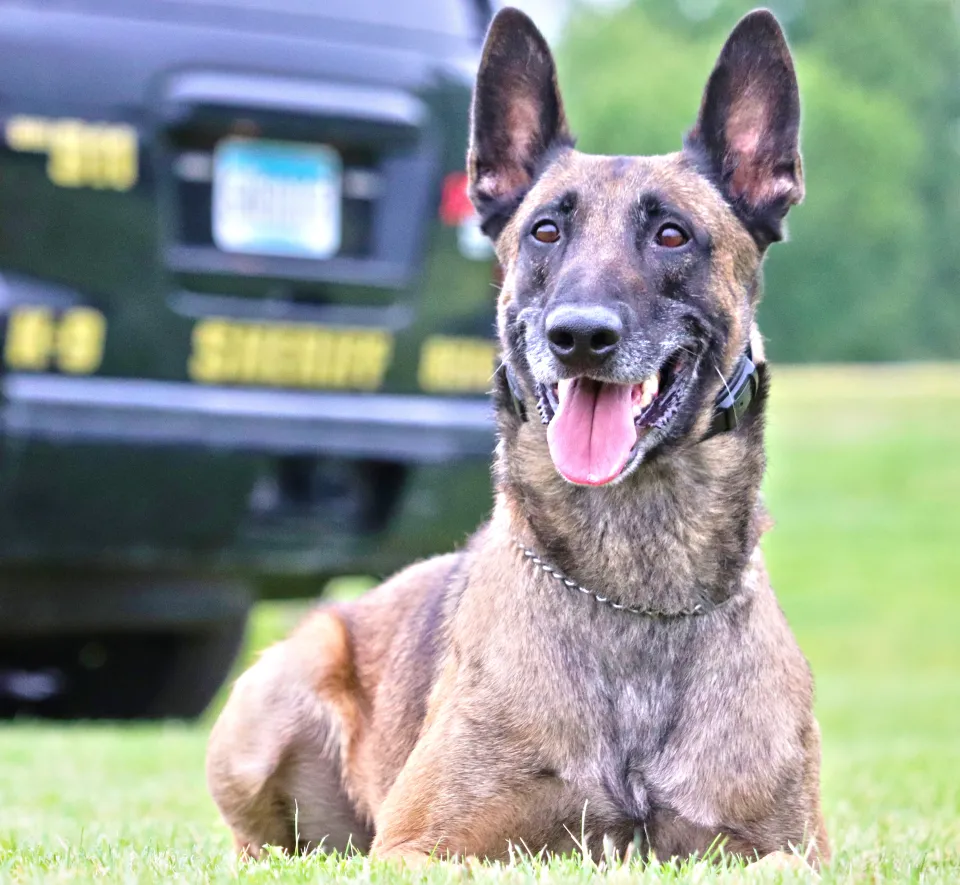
(748, 129)
(516, 117)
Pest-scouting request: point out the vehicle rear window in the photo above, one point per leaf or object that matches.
(455, 17)
(461, 19)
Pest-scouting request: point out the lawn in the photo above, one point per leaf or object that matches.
(864, 483)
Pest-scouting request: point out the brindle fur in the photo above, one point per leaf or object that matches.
(474, 700)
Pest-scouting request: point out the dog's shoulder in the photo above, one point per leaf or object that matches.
(405, 616)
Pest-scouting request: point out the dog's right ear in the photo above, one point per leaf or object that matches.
(516, 118)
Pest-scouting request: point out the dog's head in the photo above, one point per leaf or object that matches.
(630, 283)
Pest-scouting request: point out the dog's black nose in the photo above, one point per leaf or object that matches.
(581, 336)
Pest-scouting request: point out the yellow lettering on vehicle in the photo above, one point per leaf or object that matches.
(27, 134)
(209, 345)
(39, 340)
(451, 364)
(79, 153)
(80, 338)
(283, 355)
(30, 337)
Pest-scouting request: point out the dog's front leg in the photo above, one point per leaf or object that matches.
(468, 790)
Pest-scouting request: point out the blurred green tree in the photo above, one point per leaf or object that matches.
(874, 269)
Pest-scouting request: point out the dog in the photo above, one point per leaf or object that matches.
(604, 666)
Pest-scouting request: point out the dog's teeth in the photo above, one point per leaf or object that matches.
(649, 389)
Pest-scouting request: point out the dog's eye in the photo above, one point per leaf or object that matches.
(546, 232)
(671, 236)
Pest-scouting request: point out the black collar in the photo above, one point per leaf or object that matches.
(735, 397)
(728, 409)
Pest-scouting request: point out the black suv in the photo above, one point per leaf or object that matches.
(247, 326)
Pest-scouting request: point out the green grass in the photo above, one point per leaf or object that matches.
(864, 484)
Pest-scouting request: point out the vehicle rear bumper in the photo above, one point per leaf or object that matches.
(129, 411)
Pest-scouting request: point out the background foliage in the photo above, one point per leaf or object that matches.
(873, 271)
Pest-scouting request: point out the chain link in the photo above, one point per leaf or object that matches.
(557, 575)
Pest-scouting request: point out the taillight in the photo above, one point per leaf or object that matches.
(455, 205)
(457, 211)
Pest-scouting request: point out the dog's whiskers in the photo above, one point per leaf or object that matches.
(724, 380)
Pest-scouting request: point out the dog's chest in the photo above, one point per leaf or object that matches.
(627, 711)
(630, 722)
(657, 726)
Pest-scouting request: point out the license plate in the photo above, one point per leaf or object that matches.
(276, 198)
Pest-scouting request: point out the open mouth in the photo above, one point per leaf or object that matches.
(596, 428)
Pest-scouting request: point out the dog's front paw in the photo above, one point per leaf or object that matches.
(402, 857)
(785, 861)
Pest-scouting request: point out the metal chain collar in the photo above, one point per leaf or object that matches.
(698, 609)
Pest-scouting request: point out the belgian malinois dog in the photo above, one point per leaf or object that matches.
(605, 661)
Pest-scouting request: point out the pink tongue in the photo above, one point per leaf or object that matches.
(591, 435)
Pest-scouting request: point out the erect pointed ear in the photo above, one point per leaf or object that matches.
(748, 130)
(516, 118)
